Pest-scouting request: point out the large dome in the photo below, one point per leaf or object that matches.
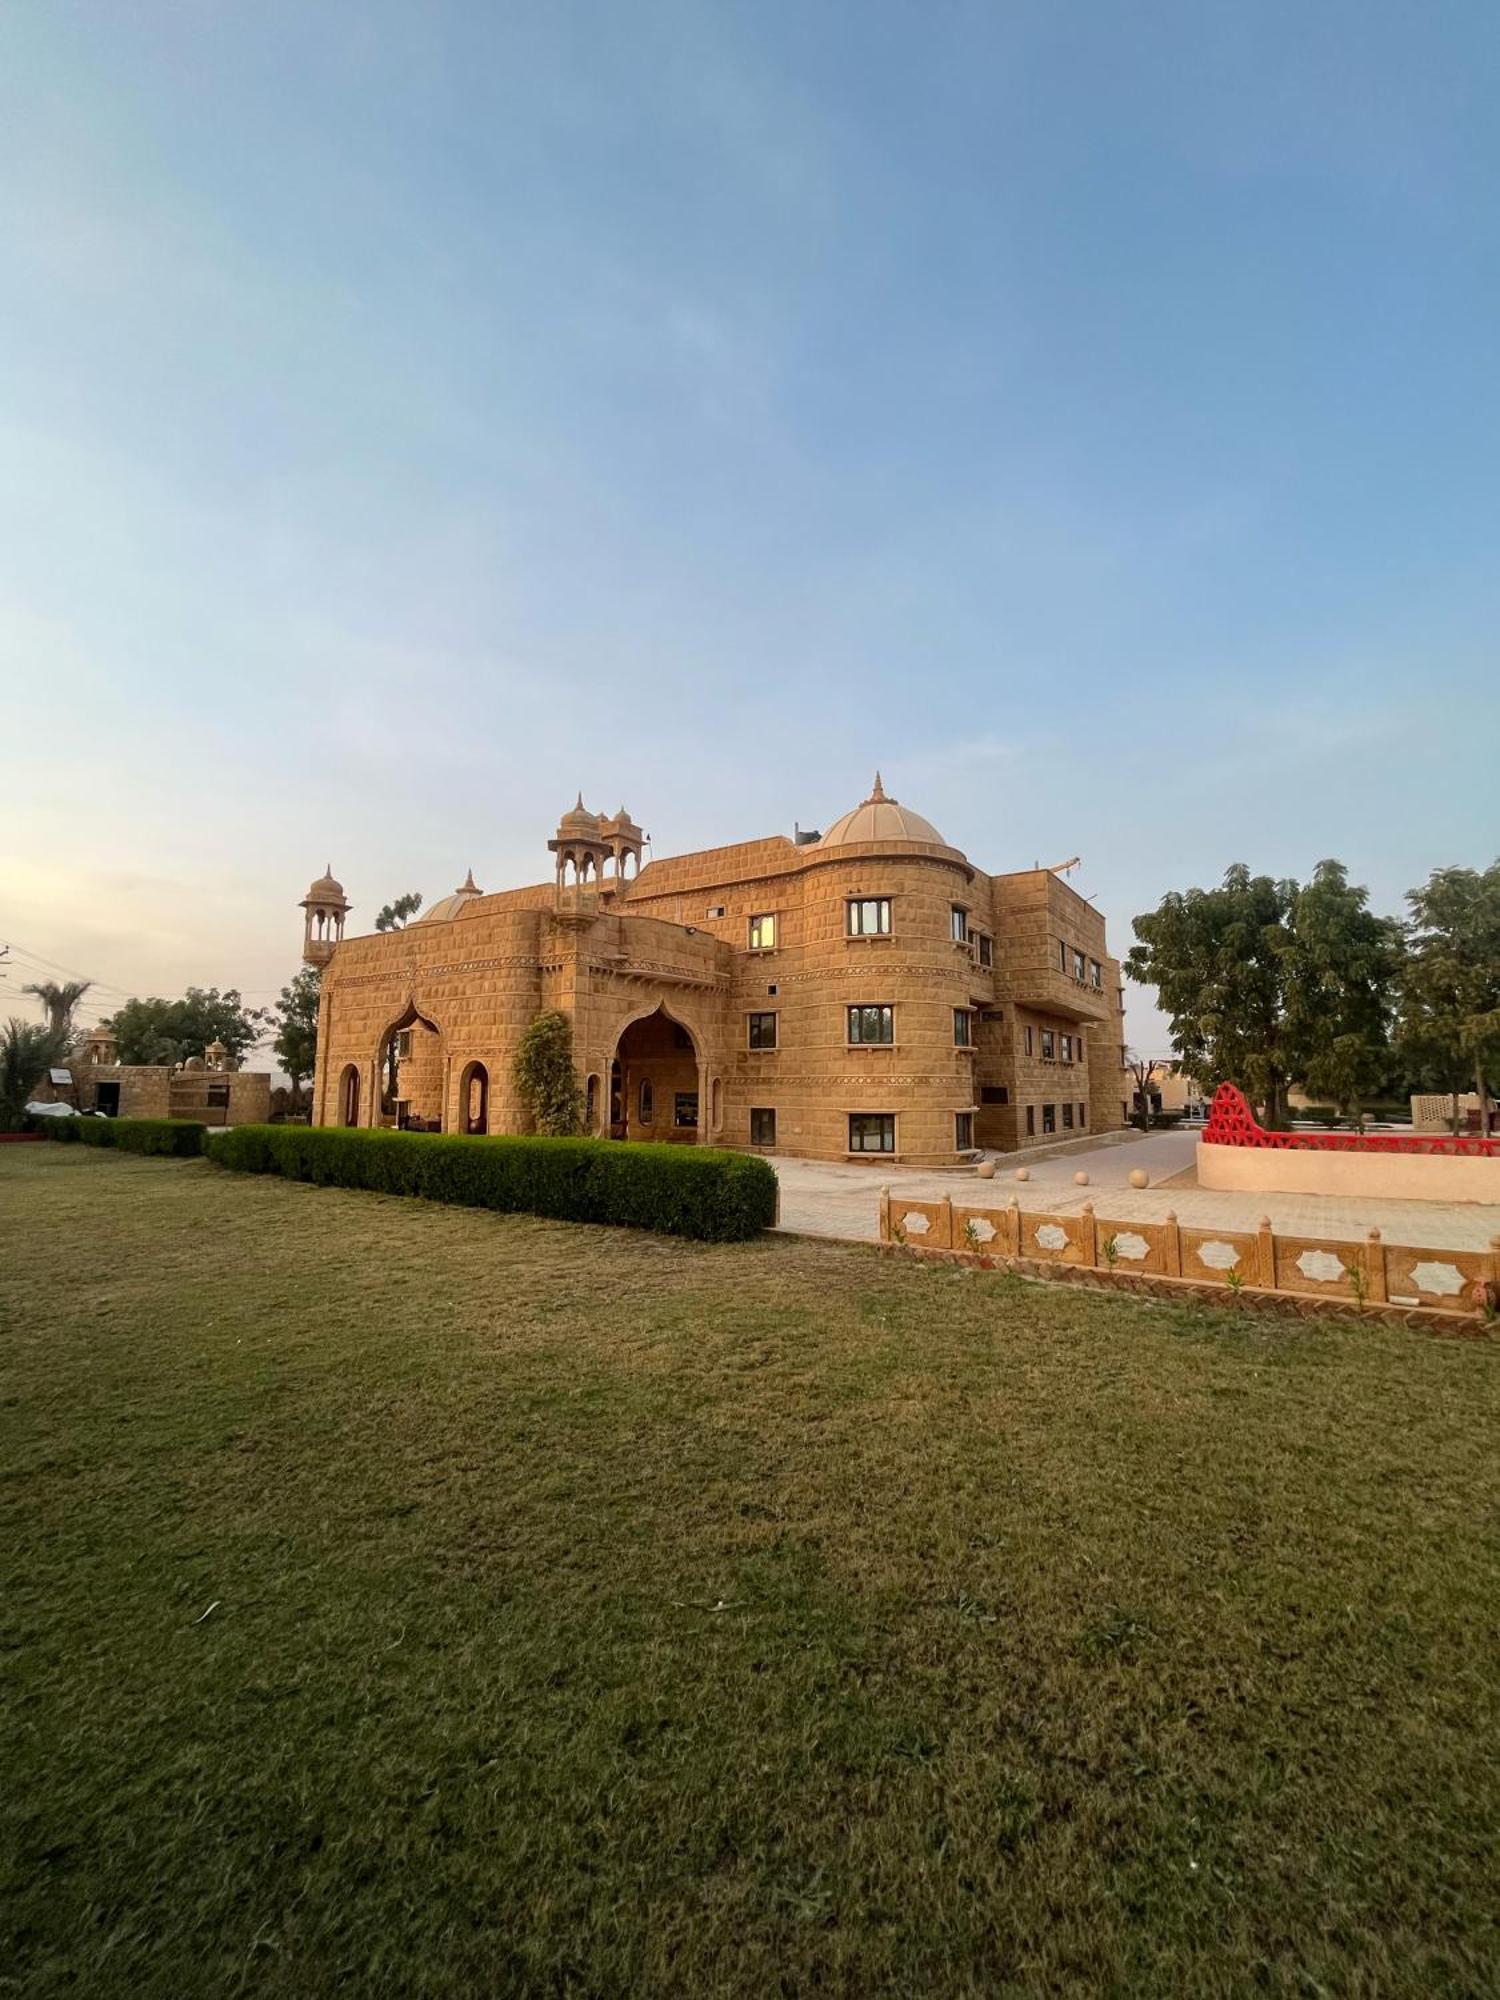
(448, 907)
(881, 818)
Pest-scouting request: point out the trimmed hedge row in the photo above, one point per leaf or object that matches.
(164, 1138)
(714, 1196)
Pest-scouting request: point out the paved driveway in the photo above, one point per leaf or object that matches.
(820, 1198)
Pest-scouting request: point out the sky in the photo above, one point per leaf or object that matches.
(411, 415)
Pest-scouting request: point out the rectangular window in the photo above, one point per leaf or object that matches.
(1030, 1039)
(872, 1024)
(762, 1030)
(1062, 954)
(1067, 1117)
(763, 933)
(1031, 1121)
(1096, 975)
(872, 1131)
(763, 1128)
(685, 1108)
(715, 910)
(870, 916)
(1078, 1048)
(986, 948)
(1067, 1048)
(963, 1028)
(1049, 1117)
(959, 918)
(1083, 1115)
(645, 1102)
(1049, 1045)
(403, 1045)
(994, 1093)
(218, 1097)
(1080, 966)
(963, 1131)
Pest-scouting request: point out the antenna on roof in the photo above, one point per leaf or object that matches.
(1066, 867)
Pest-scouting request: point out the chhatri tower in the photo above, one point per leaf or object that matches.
(867, 993)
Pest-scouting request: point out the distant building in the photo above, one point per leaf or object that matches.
(864, 994)
(206, 1088)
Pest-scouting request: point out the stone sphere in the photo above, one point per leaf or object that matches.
(1080, 1180)
(986, 1170)
(1139, 1177)
(1023, 1173)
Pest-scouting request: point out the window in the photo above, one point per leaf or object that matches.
(1067, 1117)
(646, 1101)
(1080, 966)
(1096, 975)
(872, 1024)
(1049, 1117)
(1067, 1048)
(1083, 1116)
(1078, 1048)
(762, 1030)
(959, 918)
(218, 1097)
(870, 916)
(963, 1131)
(763, 1128)
(994, 1093)
(1030, 1039)
(1031, 1121)
(403, 1045)
(715, 910)
(1062, 954)
(872, 1131)
(963, 1028)
(685, 1108)
(986, 948)
(1049, 1045)
(763, 933)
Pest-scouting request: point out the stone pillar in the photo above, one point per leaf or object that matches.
(705, 1106)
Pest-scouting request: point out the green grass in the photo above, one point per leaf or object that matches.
(600, 1614)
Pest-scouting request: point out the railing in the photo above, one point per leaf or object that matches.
(1231, 1122)
(1367, 1273)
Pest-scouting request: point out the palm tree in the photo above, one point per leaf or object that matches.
(27, 1052)
(60, 1001)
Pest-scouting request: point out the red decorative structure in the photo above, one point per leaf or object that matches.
(1231, 1122)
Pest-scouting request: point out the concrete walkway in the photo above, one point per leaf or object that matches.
(820, 1198)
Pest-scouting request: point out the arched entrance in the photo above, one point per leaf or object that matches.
(474, 1099)
(349, 1095)
(409, 1074)
(655, 1082)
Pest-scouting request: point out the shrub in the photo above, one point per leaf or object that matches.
(680, 1190)
(161, 1138)
(546, 1081)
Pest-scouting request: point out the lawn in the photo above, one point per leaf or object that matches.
(408, 1600)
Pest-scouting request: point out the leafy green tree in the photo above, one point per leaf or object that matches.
(397, 915)
(545, 1078)
(1218, 959)
(296, 1018)
(169, 1031)
(28, 1050)
(1450, 991)
(60, 1001)
(1341, 970)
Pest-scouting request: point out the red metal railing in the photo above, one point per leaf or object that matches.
(1231, 1122)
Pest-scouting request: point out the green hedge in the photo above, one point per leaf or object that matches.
(680, 1190)
(163, 1138)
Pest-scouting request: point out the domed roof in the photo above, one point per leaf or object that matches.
(448, 907)
(326, 889)
(881, 818)
(578, 819)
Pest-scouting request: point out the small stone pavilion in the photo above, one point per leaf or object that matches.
(868, 993)
(210, 1088)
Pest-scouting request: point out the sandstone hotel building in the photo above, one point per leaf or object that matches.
(867, 993)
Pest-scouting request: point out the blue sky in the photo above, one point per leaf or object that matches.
(412, 414)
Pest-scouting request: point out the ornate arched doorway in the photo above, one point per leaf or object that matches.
(656, 1081)
(474, 1099)
(410, 1073)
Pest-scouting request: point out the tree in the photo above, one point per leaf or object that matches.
(296, 1018)
(545, 1079)
(1341, 973)
(395, 916)
(1145, 1070)
(59, 1001)
(1218, 959)
(169, 1031)
(1450, 989)
(27, 1051)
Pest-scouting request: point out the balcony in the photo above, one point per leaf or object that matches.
(1047, 991)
